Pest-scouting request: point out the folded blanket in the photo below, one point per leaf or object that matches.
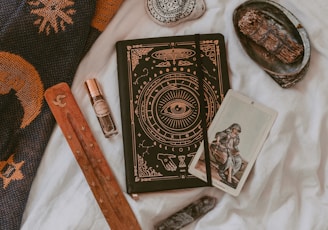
(41, 44)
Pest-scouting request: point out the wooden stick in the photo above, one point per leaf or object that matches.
(97, 172)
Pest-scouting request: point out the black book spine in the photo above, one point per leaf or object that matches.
(127, 124)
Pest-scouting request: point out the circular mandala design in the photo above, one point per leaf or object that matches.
(169, 109)
(168, 11)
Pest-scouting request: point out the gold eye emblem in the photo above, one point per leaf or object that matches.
(177, 109)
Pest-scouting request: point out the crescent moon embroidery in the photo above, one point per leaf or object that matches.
(18, 74)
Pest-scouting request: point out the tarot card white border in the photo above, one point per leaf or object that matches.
(255, 120)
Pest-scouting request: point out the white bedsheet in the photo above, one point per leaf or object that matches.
(288, 186)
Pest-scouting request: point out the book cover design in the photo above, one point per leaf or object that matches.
(161, 106)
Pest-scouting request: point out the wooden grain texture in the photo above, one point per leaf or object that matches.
(89, 156)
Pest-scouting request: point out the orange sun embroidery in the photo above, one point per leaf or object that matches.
(9, 171)
(53, 14)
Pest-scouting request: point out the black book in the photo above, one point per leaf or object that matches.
(161, 84)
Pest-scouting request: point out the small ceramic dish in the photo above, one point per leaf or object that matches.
(274, 38)
(172, 12)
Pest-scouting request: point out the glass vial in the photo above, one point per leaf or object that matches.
(101, 108)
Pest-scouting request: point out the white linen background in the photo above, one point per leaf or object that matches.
(287, 188)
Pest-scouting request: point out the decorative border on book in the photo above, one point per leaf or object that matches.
(165, 106)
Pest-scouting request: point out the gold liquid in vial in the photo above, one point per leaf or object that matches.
(101, 108)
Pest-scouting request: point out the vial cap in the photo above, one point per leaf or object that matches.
(93, 87)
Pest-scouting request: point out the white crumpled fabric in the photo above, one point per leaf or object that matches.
(288, 185)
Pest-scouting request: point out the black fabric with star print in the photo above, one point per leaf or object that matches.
(41, 44)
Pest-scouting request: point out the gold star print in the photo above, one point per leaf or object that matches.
(9, 171)
(54, 14)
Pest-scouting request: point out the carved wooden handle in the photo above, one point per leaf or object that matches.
(97, 172)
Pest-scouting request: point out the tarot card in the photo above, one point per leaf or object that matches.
(235, 138)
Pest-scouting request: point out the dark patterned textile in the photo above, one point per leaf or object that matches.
(41, 44)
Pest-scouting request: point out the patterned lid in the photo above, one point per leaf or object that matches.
(173, 12)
